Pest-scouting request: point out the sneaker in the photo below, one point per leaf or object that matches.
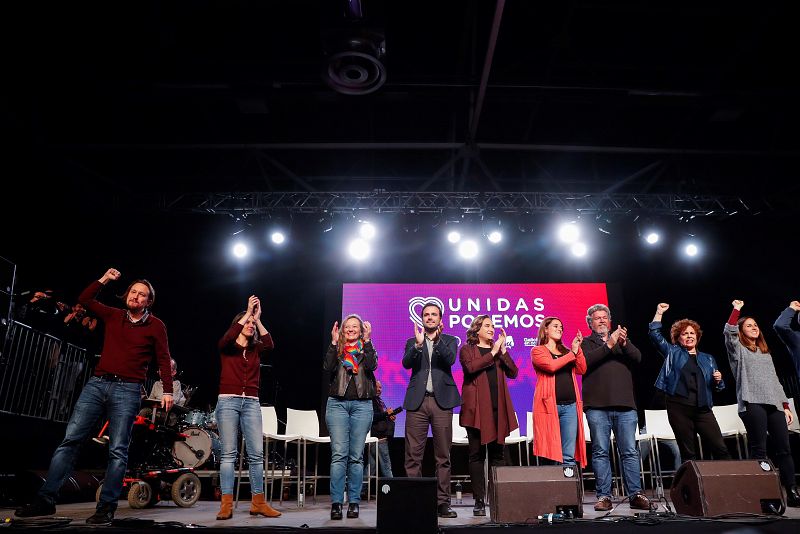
(479, 510)
(37, 508)
(104, 515)
(603, 504)
(444, 510)
(640, 501)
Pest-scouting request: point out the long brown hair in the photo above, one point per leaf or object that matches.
(543, 334)
(679, 326)
(751, 345)
(256, 336)
(340, 343)
(472, 332)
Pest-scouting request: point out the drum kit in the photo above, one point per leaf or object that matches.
(201, 447)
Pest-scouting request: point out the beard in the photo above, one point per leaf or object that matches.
(602, 330)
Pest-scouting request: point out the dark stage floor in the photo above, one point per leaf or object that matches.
(167, 515)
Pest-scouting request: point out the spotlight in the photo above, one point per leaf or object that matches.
(366, 230)
(239, 250)
(569, 232)
(578, 249)
(278, 238)
(358, 249)
(691, 250)
(468, 249)
(495, 237)
(454, 237)
(652, 238)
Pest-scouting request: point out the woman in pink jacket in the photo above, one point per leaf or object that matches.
(557, 405)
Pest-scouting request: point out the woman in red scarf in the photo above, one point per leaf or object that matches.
(351, 360)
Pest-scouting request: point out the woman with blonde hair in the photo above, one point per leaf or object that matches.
(351, 360)
(557, 405)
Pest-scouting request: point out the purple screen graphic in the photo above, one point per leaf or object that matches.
(519, 308)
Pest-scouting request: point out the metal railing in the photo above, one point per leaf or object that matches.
(41, 375)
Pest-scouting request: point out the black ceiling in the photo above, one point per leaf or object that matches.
(585, 96)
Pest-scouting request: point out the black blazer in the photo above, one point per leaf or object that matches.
(441, 363)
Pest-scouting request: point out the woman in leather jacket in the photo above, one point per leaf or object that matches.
(688, 377)
(351, 360)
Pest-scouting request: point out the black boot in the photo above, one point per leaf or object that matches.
(480, 508)
(38, 507)
(352, 510)
(793, 497)
(104, 515)
(336, 510)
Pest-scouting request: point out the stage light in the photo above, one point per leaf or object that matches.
(652, 238)
(239, 250)
(579, 250)
(691, 250)
(454, 237)
(495, 237)
(468, 249)
(569, 232)
(358, 249)
(278, 238)
(366, 230)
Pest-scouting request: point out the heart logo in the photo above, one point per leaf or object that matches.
(419, 302)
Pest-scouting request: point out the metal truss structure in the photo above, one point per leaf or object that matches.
(379, 201)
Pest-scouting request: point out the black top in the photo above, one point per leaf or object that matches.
(491, 375)
(687, 390)
(565, 388)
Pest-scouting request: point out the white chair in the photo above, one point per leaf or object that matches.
(459, 440)
(269, 427)
(729, 423)
(369, 441)
(514, 438)
(658, 427)
(529, 437)
(305, 423)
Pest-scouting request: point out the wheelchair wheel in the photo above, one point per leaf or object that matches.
(186, 490)
(98, 492)
(140, 495)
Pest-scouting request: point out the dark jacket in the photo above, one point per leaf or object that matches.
(476, 410)
(340, 377)
(442, 360)
(675, 357)
(608, 381)
(787, 327)
(382, 425)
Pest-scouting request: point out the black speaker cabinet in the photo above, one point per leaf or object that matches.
(407, 505)
(521, 494)
(711, 488)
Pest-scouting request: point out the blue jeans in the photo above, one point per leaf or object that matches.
(348, 423)
(234, 413)
(623, 423)
(119, 403)
(568, 422)
(384, 461)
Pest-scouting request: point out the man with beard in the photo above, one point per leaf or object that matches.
(610, 404)
(132, 337)
(430, 398)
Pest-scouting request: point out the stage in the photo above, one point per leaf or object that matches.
(167, 515)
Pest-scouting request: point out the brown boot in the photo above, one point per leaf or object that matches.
(258, 506)
(226, 507)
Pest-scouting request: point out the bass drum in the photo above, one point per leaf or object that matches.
(195, 450)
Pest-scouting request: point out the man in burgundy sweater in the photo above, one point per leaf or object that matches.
(132, 337)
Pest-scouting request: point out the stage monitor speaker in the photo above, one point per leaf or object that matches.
(521, 494)
(712, 488)
(407, 505)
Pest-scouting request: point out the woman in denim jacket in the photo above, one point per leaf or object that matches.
(687, 378)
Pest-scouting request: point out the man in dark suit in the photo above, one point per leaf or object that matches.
(430, 398)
